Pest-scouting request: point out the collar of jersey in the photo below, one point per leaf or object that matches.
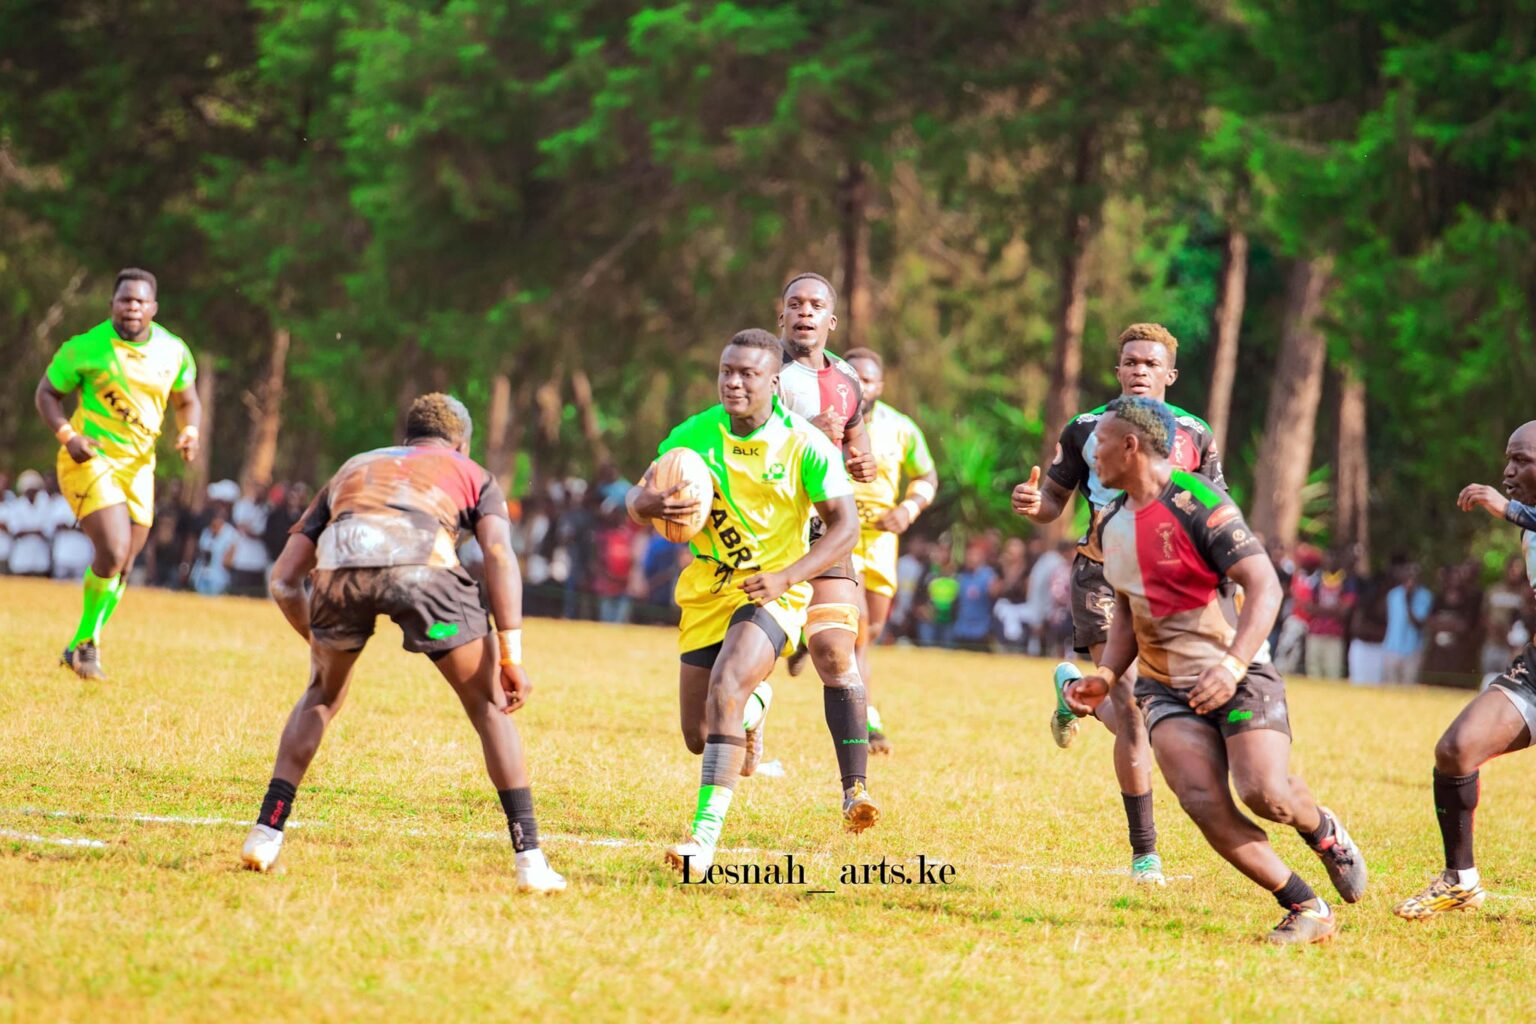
(778, 412)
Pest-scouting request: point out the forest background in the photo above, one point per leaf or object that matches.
(560, 209)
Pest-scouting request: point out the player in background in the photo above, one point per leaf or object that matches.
(127, 369)
(380, 539)
(1499, 720)
(900, 451)
(744, 595)
(825, 390)
(1145, 368)
(1174, 548)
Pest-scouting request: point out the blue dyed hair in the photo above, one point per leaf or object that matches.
(1152, 420)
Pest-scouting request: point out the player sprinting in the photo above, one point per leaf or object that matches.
(380, 539)
(1499, 720)
(825, 391)
(899, 450)
(1145, 367)
(1173, 548)
(744, 595)
(127, 369)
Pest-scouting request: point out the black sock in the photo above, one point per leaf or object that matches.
(1138, 819)
(1323, 831)
(277, 804)
(1294, 892)
(518, 803)
(1455, 807)
(848, 721)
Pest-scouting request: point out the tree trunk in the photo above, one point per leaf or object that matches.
(1352, 468)
(1072, 304)
(498, 458)
(855, 294)
(266, 409)
(546, 399)
(195, 494)
(581, 392)
(1290, 422)
(1226, 321)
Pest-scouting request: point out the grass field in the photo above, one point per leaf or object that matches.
(395, 900)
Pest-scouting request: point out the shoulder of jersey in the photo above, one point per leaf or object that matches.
(168, 333)
(1195, 496)
(1091, 416)
(1185, 418)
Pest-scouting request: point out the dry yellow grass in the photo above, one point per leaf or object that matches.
(396, 898)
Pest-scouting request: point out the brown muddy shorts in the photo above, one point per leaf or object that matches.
(436, 608)
(1259, 703)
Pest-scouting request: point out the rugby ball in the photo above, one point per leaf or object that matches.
(684, 466)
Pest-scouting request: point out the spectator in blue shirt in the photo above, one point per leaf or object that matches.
(979, 587)
(1408, 607)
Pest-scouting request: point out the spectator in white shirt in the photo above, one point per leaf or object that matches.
(31, 525)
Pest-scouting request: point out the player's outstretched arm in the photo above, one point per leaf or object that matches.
(504, 590)
(287, 583)
(1523, 516)
(1040, 499)
(50, 406)
(841, 519)
(1484, 497)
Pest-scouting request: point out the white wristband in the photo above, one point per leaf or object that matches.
(511, 643)
(1233, 665)
(921, 489)
(913, 509)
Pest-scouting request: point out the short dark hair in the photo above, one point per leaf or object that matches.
(865, 353)
(438, 415)
(755, 337)
(135, 274)
(808, 276)
(1152, 420)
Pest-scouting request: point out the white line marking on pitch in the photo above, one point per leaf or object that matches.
(611, 842)
(54, 840)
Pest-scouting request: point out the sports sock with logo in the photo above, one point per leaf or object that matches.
(848, 721)
(1324, 829)
(1455, 808)
(277, 804)
(757, 706)
(1139, 823)
(101, 598)
(518, 805)
(1294, 892)
(723, 757)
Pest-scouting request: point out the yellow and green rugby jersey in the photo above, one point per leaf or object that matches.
(124, 385)
(900, 450)
(765, 486)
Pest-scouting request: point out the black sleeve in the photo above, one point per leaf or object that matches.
(1223, 538)
(1069, 468)
(1523, 516)
(1210, 460)
(315, 518)
(491, 502)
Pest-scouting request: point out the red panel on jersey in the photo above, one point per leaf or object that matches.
(1176, 578)
(837, 395)
(1186, 451)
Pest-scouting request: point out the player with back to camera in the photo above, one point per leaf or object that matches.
(1174, 548)
(1500, 720)
(744, 595)
(381, 539)
(1144, 367)
(127, 369)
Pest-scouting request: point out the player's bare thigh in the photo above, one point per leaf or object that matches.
(1487, 727)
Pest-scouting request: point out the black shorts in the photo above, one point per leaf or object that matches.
(1518, 683)
(436, 608)
(1259, 703)
(1093, 604)
(839, 570)
(705, 657)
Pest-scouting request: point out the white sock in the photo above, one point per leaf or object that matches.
(530, 859)
(1465, 877)
(757, 706)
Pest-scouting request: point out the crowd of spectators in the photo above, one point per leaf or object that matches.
(583, 559)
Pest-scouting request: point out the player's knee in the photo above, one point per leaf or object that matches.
(1454, 754)
(1204, 806)
(1270, 801)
